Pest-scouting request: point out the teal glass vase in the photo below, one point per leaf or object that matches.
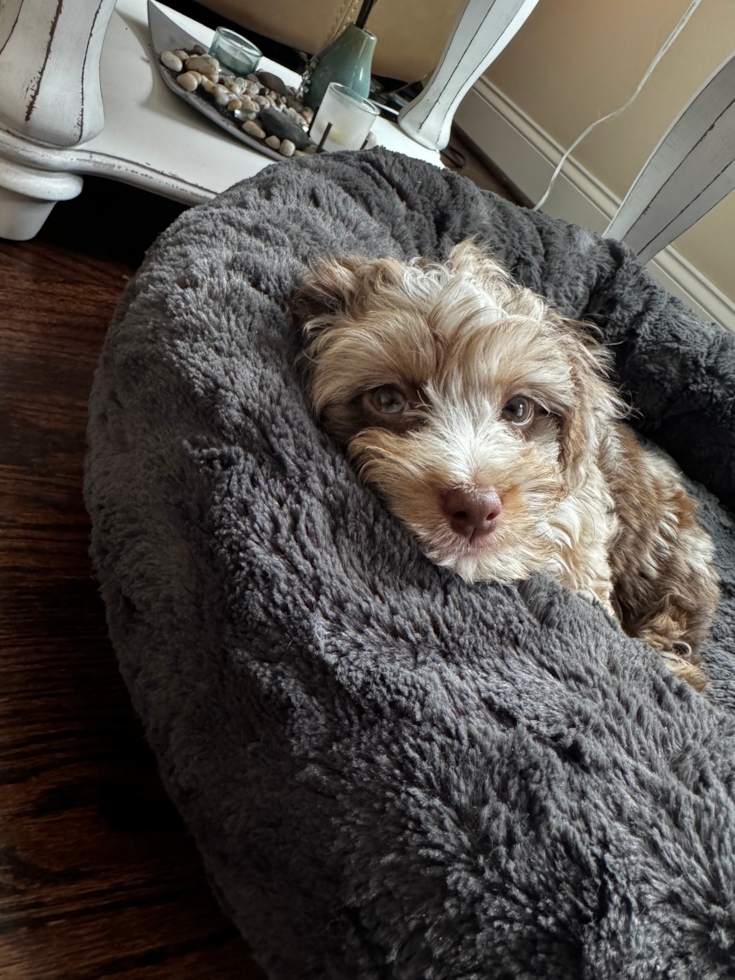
(347, 59)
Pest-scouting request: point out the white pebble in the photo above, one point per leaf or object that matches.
(252, 88)
(189, 80)
(253, 78)
(311, 149)
(260, 99)
(243, 115)
(273, 142)
(172, 61)
(221, 94)
(287, 148)
(204, 63)
(254, 129)
(207, 83)
(299, 153)
(307, 113)
(181, 54)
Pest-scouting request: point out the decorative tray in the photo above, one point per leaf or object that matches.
(167, 35)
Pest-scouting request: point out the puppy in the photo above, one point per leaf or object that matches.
(485, 420)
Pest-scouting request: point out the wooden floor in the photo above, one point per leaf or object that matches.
(97, 875)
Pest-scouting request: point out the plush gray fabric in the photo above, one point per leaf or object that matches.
(389, 773)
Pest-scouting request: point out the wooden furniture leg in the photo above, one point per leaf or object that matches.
(49, 94)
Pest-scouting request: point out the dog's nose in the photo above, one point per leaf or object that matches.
(472, 513)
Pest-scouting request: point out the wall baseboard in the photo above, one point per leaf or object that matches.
(528, 155)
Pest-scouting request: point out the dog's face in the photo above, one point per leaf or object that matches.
(471, 406)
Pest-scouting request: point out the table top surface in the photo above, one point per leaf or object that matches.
(154, 139)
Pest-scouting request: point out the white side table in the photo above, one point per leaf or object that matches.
(53, 56)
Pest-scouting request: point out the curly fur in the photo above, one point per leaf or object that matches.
(581, 499)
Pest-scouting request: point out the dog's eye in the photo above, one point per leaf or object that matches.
(387, 400)
(518, 410)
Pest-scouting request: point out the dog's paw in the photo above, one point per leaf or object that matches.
(684, 669)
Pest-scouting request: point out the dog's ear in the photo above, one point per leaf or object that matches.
(328, 289)
(595, 403)
(474, 258)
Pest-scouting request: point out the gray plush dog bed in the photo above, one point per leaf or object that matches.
(390, 773)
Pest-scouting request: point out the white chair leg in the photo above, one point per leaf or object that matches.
(689, 172)
(482, 31)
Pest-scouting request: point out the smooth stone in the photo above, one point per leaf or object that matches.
(181, 54)
(188, 80)
(272, 81)
(252, 88)
(243, 115)
(311, 149)
(273, 142)
(207, 84)
(221, 94)
(275, 123)
(235, 85)
(172, 61)
(252, 77)
(254, 129)
(260, 99)
(234, 104)
(206, 64)
(198, 49)
(300, 153)
(308, 114)
(247, 103)
(287, 148)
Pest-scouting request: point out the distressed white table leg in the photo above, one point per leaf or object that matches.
(27, 197)
(483, 29)
(49, 94)
(689, 172)
(50, 68)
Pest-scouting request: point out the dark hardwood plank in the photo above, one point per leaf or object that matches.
(98, 877)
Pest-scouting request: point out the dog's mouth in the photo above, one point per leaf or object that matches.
(478, 539)
(476, 543)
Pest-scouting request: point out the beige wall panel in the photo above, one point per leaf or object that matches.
(576, 60)
(411, 33)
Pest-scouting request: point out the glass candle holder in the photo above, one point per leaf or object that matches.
(235, 52)
(351, 117)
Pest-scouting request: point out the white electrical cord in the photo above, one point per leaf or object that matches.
(611, 115)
